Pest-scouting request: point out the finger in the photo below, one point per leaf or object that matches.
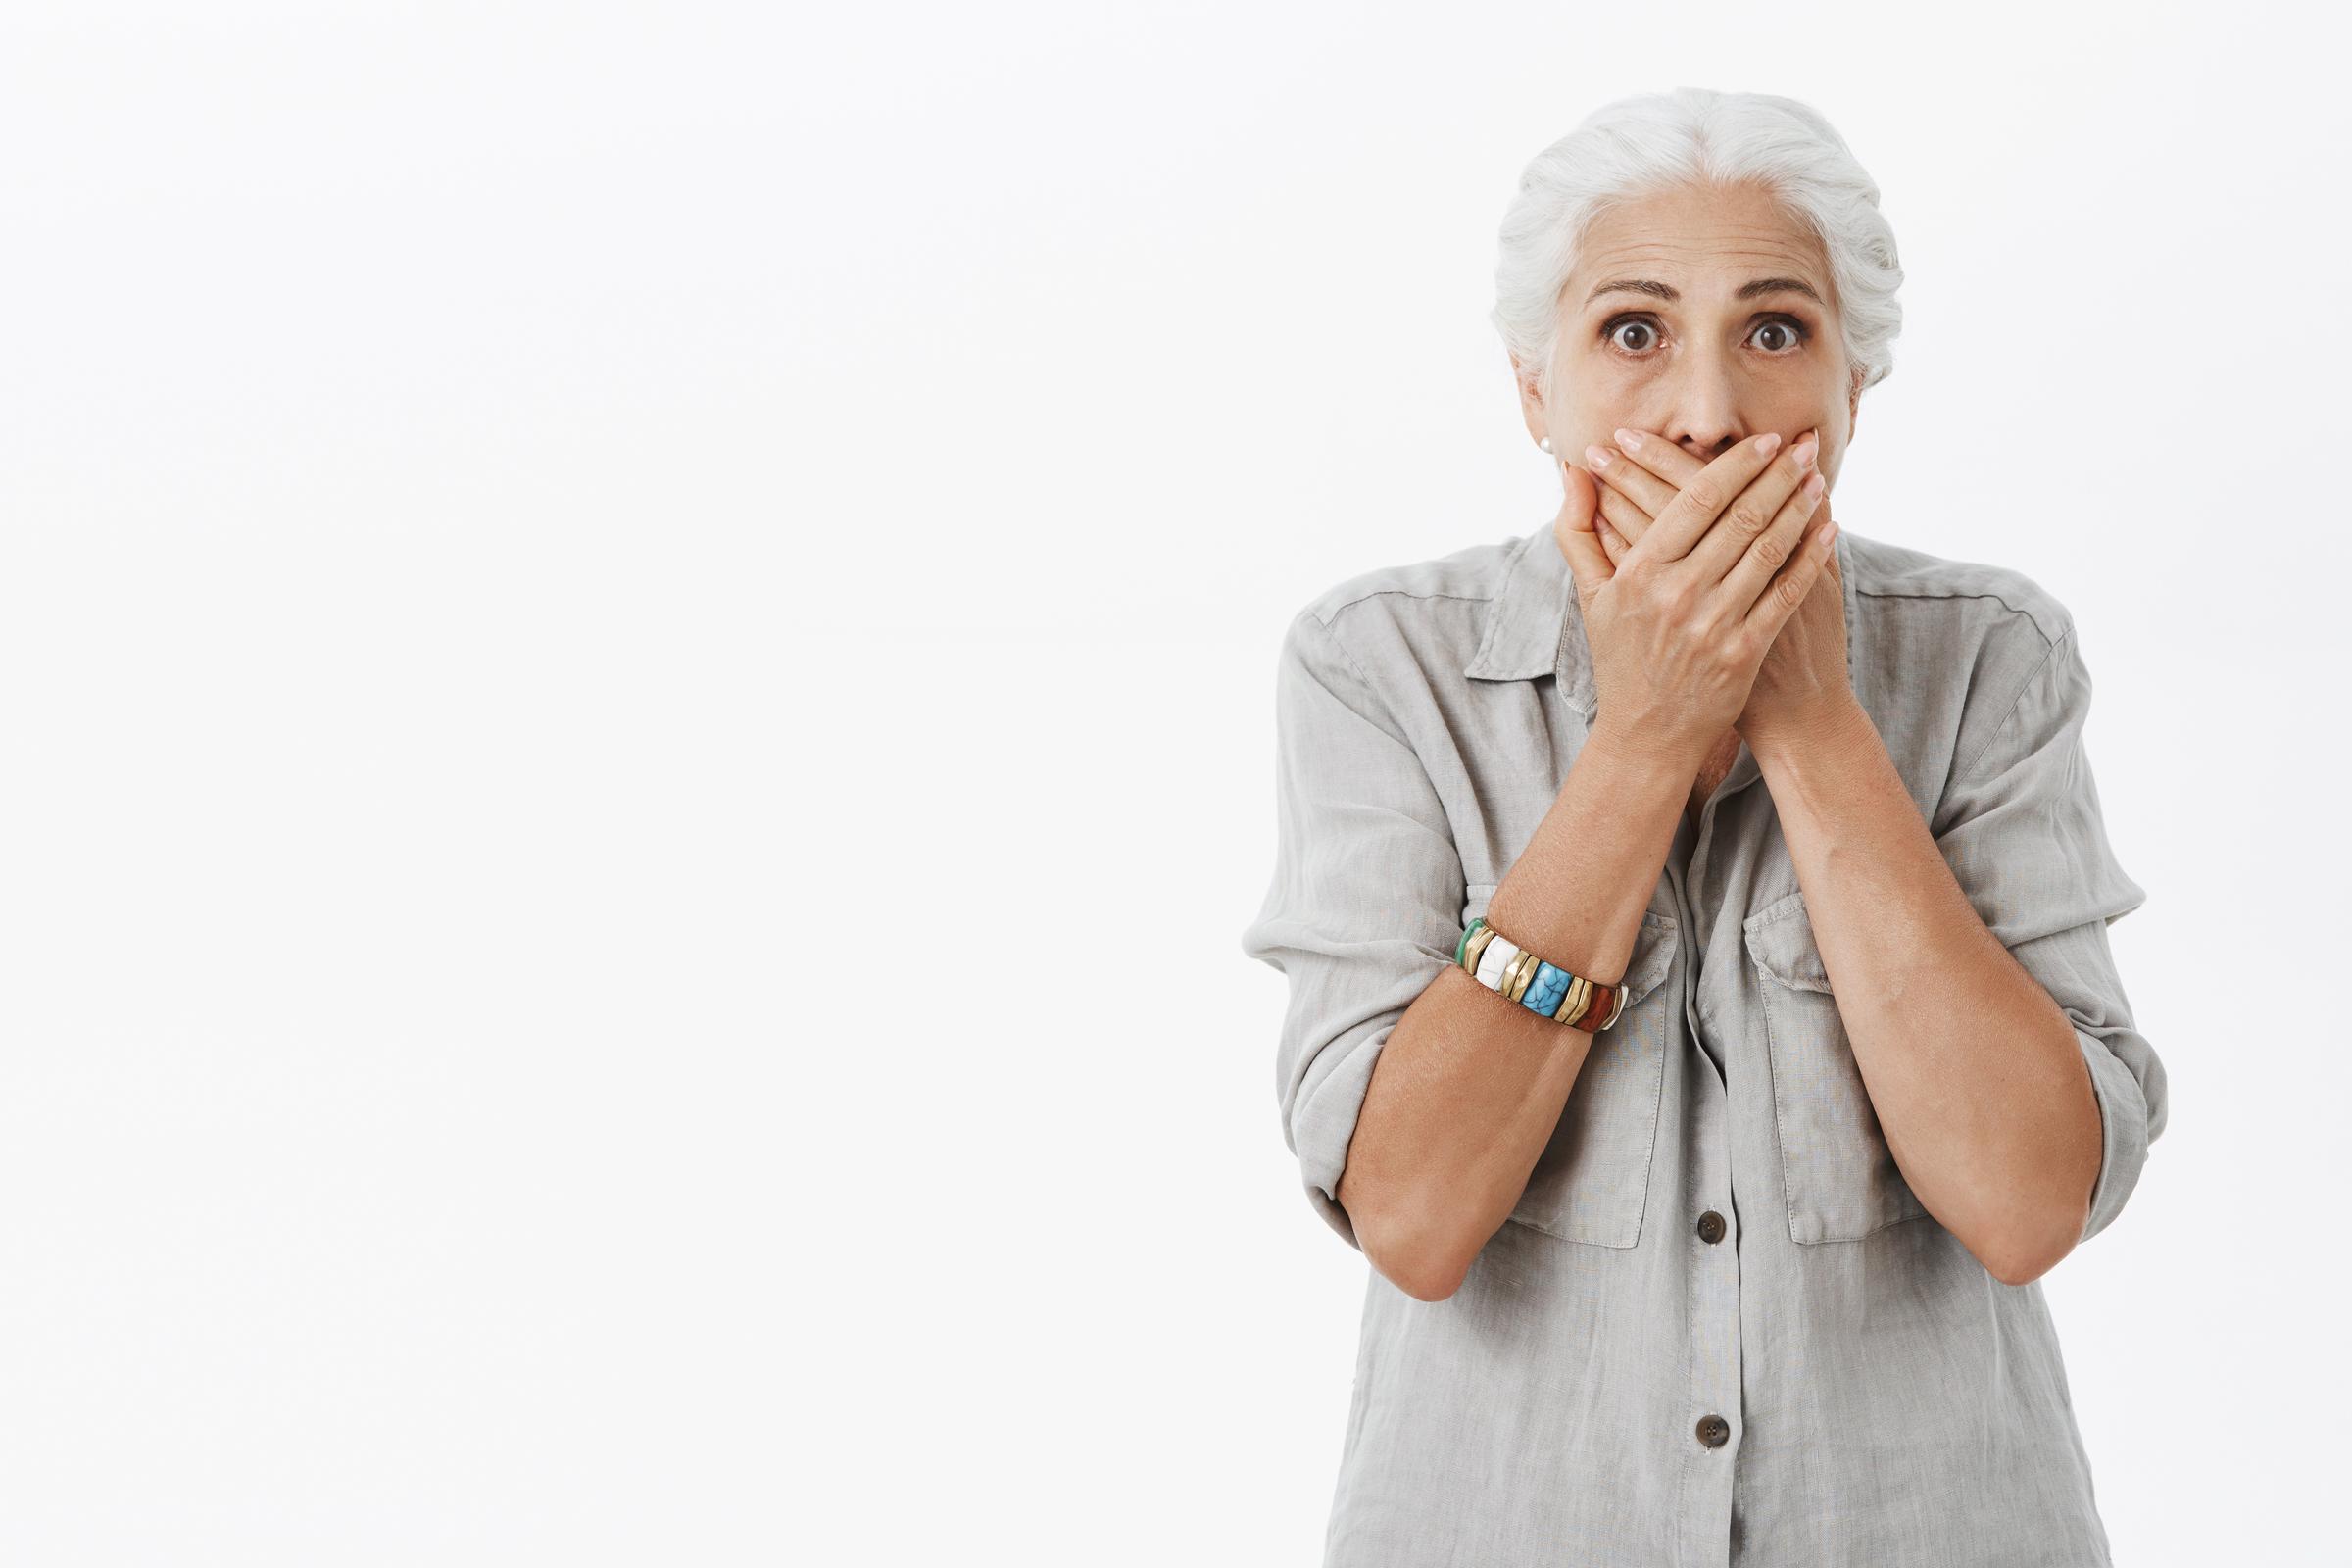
(1619, 474)
(1611, 541)
(1791, 583)
(1784, 538)
(1588, 565)
(1749, 522)
(1683, 521)
(1655, 456)
(1629, 520)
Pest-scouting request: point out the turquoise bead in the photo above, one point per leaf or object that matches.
(1547, 990)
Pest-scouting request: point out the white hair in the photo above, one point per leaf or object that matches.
(1638, 146)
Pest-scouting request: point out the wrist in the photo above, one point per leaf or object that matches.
(1646, 754)
(1835, 715)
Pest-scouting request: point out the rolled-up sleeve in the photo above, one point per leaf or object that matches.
(1363, 908)
(2021, 831)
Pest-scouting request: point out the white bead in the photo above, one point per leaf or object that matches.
(1491, 963)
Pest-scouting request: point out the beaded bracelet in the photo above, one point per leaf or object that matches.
(1502, 966)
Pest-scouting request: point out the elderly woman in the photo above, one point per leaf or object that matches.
(1701, 1008)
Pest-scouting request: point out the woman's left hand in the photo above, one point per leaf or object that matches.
(1802, 680)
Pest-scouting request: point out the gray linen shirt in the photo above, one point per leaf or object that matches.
(1889, 1401)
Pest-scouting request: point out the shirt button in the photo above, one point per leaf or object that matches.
(1714, 1430)
(1710, 1227)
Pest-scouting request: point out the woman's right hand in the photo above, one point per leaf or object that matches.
(1680, 624)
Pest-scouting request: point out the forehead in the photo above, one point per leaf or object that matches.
(1691, 233)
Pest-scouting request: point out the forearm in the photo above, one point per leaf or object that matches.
(1976, 1074)
(1469, 1088)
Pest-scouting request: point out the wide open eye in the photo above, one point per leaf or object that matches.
(1636, 333)
(1641, 323)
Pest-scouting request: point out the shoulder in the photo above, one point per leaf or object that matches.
(1960, 649)
(1403, 625)
(1395, 640)
(1471, 575)
(1894, 582)
(1966, 636)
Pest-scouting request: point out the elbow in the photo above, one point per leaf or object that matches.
(2021, 1258)
(1415, 1252)
(1423, 1276)
(2039, 1230)
(2020, 1268)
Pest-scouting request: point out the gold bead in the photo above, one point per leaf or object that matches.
(1521, 972)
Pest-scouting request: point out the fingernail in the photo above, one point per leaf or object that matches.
(1803, 452)
(1813, 487)
(1596, 455)
(1769, 442)
(1630, 440)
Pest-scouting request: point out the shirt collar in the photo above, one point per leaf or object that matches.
(1535, 627)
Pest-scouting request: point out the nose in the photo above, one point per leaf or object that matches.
(1702, 400)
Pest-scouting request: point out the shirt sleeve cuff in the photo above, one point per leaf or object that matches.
(2123, 1132)
(1325, 1124)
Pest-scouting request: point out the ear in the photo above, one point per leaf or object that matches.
(1531, 401)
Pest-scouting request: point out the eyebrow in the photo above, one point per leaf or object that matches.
(1668, 293)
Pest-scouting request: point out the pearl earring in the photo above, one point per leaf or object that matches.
(1545, 443)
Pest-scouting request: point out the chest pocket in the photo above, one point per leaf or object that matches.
(1592, 1181)
(1840, 1177)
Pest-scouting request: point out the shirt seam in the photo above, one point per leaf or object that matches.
(1328, 621)
(1395, 729)
(2025, 610)
(1408, 593)
(2015, 610)
(1332, 633)
(2048, 658)
(1392, 726)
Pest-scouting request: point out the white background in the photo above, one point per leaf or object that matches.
(636, 731)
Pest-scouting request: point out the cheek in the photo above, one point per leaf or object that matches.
(1602, 393)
